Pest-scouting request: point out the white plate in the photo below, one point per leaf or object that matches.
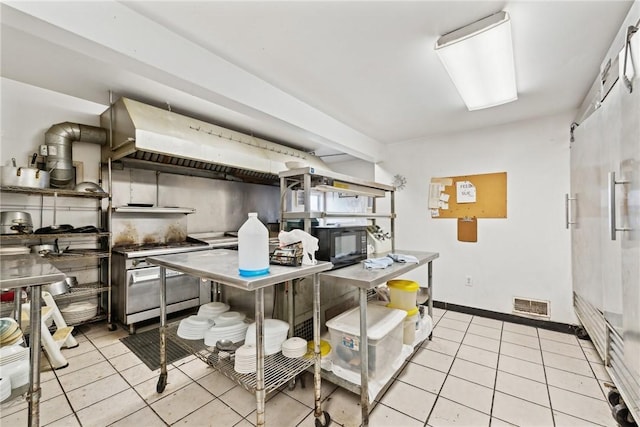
(229, 317)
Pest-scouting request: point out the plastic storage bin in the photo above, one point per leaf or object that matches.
(410, 325)
(403, 294)
(385, 334)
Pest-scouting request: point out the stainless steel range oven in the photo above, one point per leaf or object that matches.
(136, 284)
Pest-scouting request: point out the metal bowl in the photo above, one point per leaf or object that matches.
(57, 288)
(71, 281)
(422, 295)
(88, 187)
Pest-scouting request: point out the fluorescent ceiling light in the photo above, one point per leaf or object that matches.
(479, 60)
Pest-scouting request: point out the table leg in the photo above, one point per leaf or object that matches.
(260, 392)
(316, 346)
(430, 286)
(162, 381)
(17, 305)
(33, 395)
(364, 359)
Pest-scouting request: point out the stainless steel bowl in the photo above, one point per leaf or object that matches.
(57, 288)
(422, 295)
(88, 187)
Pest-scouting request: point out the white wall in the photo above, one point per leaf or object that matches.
(27, 113)
(525, 255)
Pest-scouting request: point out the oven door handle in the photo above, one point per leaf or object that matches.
(150, 276)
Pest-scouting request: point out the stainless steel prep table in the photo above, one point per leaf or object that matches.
(364, 279)
(30, 271)
(221, 266)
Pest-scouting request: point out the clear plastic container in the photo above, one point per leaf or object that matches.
(410, 326)
(253, 247)
(403, 294)
(384, 330)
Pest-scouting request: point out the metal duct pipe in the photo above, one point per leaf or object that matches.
(58, 140)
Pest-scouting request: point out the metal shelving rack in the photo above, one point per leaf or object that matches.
(68, 261)
(311, 179)
(278, 368)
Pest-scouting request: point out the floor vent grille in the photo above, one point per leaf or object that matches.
(531, 307)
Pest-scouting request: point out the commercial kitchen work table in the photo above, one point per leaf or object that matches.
(221, 266)
(365, 279)
(30, 271)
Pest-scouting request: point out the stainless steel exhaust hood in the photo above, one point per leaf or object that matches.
(152, 138)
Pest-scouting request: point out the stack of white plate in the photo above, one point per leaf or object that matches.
(212, 309)
(10, 333)
(229, 317)
(245, 362)
(16, 372)
(194, 327)
(275, 333)
(78, 312)
(294, 347)
(14, 250)
(5, 388)
(234, 332)
(13, 353)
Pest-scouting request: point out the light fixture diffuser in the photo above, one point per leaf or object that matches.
(479, 60)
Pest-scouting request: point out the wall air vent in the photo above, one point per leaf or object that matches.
(531, 307)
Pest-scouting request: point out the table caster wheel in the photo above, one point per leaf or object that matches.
(162, 383)
(581, 333)
(327, 420)
(112, 327)
(613, 397)
(621, 413)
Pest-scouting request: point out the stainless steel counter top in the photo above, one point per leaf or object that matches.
(221, 265)
(27, 270)
(358, 276)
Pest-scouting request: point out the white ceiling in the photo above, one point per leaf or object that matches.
(335, 77)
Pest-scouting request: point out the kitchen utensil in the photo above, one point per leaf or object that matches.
(57, 288)
(227, 346)
(62, 228)
(15, 222)
(24, 177)
(13, 161)
(86, 229)
(43, 250)
(88, 187)
(33, 160)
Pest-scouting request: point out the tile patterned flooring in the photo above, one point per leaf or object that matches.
(475, 372)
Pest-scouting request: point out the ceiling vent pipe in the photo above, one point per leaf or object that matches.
(58, 140)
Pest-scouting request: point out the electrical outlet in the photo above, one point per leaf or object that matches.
(43, 150)
(468, 281)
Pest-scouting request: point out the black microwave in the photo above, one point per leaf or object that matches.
(341, 245)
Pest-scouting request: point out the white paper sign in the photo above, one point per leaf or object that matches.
(434, 195)
(465, 192)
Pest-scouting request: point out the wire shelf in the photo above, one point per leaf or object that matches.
(81, 292)
(52, 192)
(278, 369)
(35, 237)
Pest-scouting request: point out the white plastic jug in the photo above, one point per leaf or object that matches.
(253, 247)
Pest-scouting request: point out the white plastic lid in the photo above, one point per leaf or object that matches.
(253, 214)
(380, 321)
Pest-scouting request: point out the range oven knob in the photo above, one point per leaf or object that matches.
(135, 262)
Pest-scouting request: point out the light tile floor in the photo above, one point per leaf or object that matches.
(475, 372)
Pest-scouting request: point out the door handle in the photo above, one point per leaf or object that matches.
(567, 210)
(612, 204)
